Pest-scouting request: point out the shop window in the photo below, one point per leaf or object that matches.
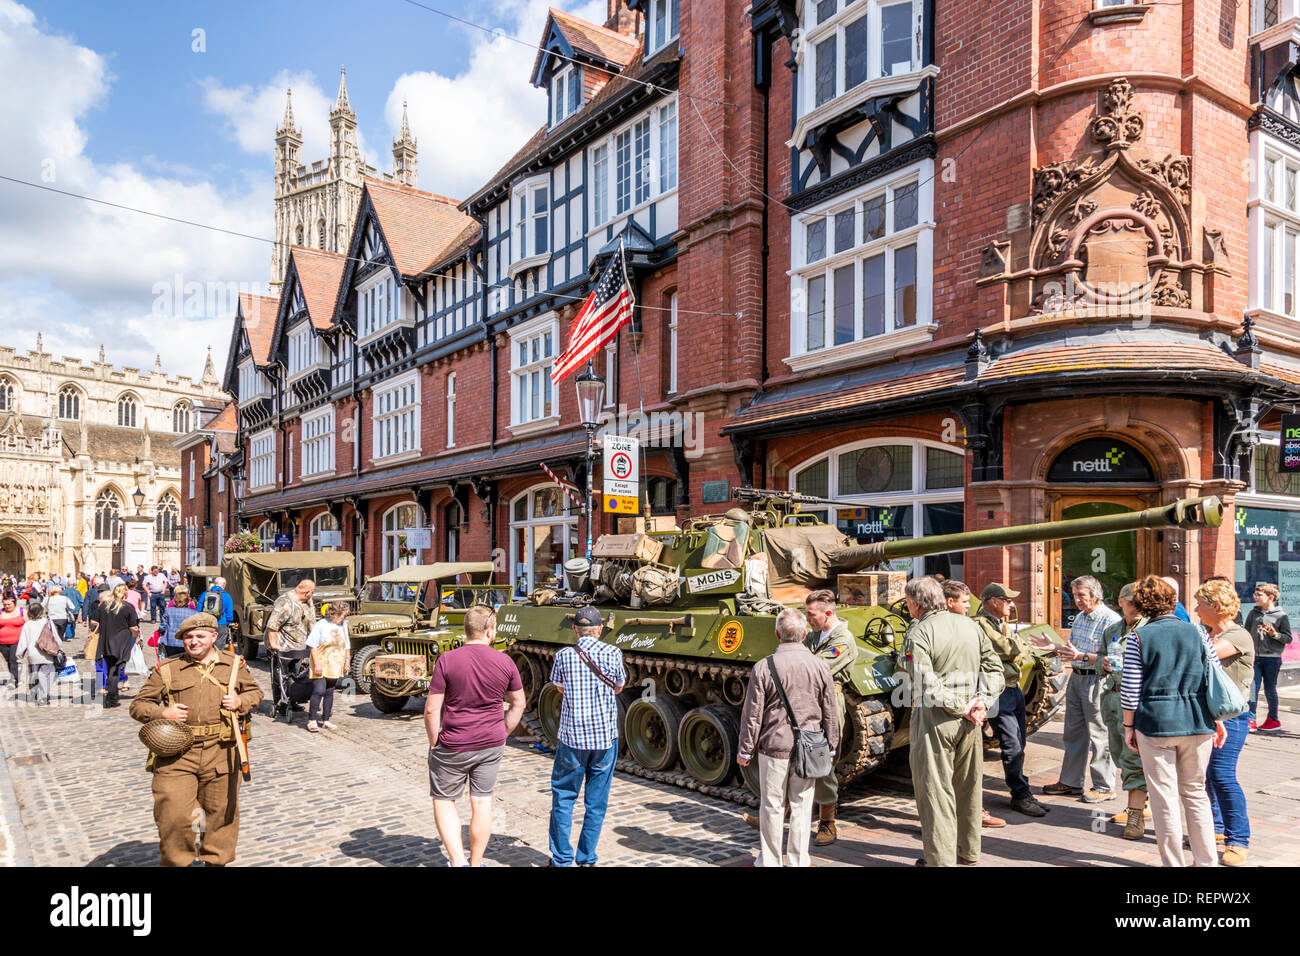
(889, 490)
(322, 522)
(543, 535)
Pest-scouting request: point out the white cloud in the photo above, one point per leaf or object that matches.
(254, 113)
(469, 124)
(83, 273)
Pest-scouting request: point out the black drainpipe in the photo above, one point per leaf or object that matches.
(763, 79)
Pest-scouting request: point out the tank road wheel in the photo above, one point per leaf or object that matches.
(624, 701)
(385, 704)
(708, 737)
(864, 740)
(652, 727)
(548, 712)
(1046, 694)
(749, 774)
(359, 661)
(530, 675)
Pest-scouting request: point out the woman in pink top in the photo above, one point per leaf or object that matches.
(11, 628)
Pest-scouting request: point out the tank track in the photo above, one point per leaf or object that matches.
(1049, 695)
(871, 715)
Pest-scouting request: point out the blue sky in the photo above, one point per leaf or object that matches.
(157, 107)
(110, 100)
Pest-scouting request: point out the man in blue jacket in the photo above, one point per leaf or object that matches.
(225, 616)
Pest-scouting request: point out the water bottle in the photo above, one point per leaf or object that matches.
(1115, 657)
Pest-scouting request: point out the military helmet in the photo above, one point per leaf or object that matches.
(167, 738)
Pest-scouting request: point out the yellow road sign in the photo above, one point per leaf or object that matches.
(621, 504)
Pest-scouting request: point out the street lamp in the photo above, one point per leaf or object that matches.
(591, 395)
(138, 497)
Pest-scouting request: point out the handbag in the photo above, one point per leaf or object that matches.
(92, 646)
(153, 640)
(46, 642)
(811, 756)
(1221, 692)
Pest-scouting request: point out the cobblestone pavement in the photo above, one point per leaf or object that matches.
(359, 796)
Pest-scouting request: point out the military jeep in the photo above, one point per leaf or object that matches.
(433, 599)
(256, 580)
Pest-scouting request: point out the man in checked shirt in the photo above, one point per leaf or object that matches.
(1085, 727)
(589, 674)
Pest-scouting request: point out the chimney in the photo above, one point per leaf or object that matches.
(622, 20)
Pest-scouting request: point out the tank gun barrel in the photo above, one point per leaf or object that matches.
(1188, 513)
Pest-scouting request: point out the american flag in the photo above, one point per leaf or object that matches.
(606, 310)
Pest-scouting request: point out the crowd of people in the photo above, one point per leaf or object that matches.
(1136, 709)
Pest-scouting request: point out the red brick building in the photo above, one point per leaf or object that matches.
(1019, 264)
(207, 492)
(949, 268)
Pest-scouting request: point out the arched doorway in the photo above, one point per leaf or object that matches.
(1095, 476)
(13, 556)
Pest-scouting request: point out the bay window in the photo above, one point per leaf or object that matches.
(1279, 209)
(848, 42)
(661, 23)
(532, 223)
(304, 350)
(636, 164)
(379, 304)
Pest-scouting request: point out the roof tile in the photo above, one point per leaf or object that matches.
(258, 312)
(420, 227)
(319, 273)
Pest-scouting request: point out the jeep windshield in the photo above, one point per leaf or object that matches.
(324, 577)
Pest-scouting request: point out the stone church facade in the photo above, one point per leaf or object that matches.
(316, 205)
(77, 439)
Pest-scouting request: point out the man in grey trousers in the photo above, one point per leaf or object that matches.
(1085, 727)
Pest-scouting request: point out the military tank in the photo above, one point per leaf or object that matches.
(694, 608)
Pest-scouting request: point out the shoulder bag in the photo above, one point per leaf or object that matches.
(1221, 691)
(811, 756)
(46, 642)
(591, 665)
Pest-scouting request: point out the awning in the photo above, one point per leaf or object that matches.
(419, 573)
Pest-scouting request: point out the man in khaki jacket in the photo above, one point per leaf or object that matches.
(765, 732)
(952, 668)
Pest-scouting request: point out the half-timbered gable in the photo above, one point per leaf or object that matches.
(303, 341)
(576, 184)
(453, 285)
(250, 377)
(381, 302)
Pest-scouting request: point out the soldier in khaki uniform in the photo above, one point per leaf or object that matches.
(1009, 720)
(952, 668)
(829, 639)
(198, 791)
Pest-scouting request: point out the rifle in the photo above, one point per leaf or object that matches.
(238, 724)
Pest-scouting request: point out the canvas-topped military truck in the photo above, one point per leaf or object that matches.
(431, 600)
(256, 580)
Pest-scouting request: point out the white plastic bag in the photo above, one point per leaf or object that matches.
(69, 674)
(136, 664)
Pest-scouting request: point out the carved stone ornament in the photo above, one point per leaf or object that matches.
(1111, 230)
(1120, 124)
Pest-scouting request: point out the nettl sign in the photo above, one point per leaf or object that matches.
(1096, 460)
(1288, 458)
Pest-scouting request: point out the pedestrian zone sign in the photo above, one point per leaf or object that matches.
(621, 489)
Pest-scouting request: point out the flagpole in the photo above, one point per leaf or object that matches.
(591, 464)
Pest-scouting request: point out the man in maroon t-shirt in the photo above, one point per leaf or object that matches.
(467, 731)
